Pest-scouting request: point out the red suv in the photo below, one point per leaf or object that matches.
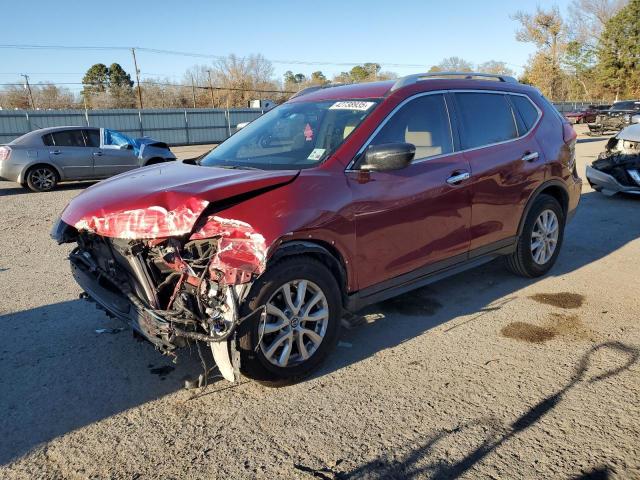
(341, 197)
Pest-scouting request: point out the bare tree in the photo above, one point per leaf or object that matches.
(495, 67)
(243, 77)
(587, 18)
(547, 30)
(454, 64)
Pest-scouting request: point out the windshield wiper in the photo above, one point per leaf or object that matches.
(236, 167)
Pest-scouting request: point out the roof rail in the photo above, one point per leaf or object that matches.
(411, 79)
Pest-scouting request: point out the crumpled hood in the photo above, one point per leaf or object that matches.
(162, 200)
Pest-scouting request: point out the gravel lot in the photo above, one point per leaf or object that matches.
(483, 375)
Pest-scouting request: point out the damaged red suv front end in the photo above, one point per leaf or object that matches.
(153, 250)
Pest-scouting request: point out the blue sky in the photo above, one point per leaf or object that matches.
(400, 32)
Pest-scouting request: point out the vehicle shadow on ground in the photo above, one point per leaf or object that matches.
(18, 190)
(57, 374)
(414, 465)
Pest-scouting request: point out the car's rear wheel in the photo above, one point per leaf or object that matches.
(41, 178)
(539, 244)
(302, 323)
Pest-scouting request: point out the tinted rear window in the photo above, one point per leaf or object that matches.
(485, 119)
(527, 111)
(48, 140)
(68, 138)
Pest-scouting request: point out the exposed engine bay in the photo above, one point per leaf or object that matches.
(174, 290)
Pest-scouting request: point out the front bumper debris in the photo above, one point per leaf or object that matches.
(173, 291)
(607, 184)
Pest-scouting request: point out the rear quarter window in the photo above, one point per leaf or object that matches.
(527, 111)
(485, 119)
(48, 140)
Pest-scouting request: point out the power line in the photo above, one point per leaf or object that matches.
(165, 84)
(199, 55)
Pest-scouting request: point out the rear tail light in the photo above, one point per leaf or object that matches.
(5, 152)
(569, 136)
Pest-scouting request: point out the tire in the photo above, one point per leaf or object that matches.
(528, 261)
(41, 178)
(256, 362)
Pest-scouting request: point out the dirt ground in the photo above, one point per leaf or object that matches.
(484, 375)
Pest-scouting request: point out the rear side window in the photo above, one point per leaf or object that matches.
(92, 138)
(48, 140)
(527, 111)
(485, 118)
(68, 138)
(423, 122)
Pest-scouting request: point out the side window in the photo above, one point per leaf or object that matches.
(485, 118)
(424, 122)
(68, 138)
(48, 140)
(92, 138)
(527, 111)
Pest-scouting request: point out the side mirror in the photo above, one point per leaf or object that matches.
(126, 146)
(388, 156)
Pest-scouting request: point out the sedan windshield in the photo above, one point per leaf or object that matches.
(291, 136)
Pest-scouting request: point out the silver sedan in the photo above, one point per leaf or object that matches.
(40, 159)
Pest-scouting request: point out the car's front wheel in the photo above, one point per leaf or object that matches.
(539, 244)
(41, 178)
(302, 323)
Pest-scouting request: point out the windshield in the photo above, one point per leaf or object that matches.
(291, 136)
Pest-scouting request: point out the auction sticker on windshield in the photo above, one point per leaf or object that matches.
(316, 154)
(352, 105)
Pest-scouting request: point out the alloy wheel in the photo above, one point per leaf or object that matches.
(295, 325)
(544, 237)
(43, 178)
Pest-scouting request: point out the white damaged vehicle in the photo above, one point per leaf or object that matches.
(617, 169)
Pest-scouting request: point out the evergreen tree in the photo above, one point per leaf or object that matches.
(619, 52)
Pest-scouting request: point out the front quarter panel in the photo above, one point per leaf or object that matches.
(315, 207)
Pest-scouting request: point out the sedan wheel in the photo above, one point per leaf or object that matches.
(42, 179)
(296, 323)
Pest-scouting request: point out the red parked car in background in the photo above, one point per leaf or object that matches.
(587, 115)
(341, 197)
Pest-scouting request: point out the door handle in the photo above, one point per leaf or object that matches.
(530, 157)
(459, 177)
(55, 152)
(97, 154)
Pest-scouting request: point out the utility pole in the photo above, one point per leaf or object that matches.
(193, 91)
(211, 89)
(28, 87)
(135, 64)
